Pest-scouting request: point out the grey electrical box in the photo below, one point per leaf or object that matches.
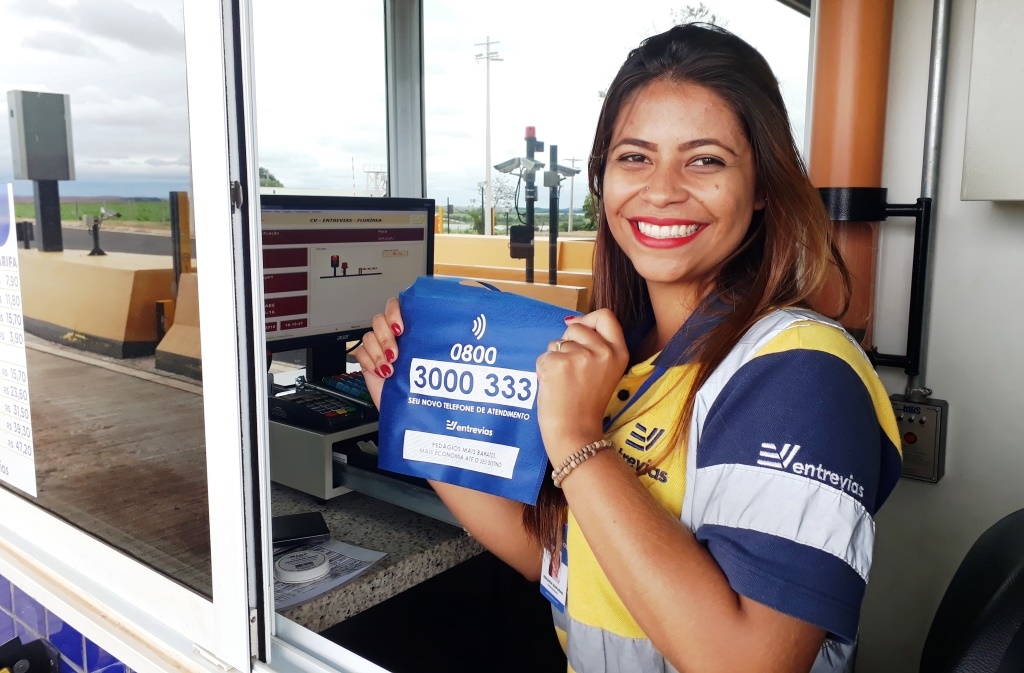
(41, 135)
(922, 427)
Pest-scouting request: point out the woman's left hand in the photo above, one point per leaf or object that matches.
(576, 377)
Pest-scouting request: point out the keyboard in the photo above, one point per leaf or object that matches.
(352, 384)
(318, 410)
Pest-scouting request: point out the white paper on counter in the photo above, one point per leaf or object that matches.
(347, 562)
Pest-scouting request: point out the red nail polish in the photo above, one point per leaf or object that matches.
(396, 329)
(385, 370)
(377, 372)
(390, 355)
(568, 318)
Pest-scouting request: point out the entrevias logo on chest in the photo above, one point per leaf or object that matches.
(642, 439)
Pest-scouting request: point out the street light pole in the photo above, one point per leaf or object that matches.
(572, 162)
(487, 56)
(483, 220)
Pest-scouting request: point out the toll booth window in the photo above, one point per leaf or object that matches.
(321, 107)
(101, 406)
(541, 65)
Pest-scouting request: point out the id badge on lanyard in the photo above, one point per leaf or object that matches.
(554, 572)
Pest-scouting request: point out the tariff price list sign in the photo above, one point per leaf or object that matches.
(17, 455)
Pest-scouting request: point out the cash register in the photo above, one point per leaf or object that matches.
(329, 265)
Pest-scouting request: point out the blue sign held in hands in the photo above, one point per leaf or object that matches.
(461, 407)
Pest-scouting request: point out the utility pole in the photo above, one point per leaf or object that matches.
(483, 218)
(572, 162)
(532, 147)
(487, 56)
(551, 180)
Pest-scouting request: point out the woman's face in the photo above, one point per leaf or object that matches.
(679, 185)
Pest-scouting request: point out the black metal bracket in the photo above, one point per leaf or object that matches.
(95, 229)
(868, 204)
(38, 656)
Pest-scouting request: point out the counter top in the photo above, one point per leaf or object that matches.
(418, 548)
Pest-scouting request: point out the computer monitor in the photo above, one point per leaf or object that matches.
(331, 262)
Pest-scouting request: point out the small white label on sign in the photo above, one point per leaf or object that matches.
(498, 460)
(17, 455)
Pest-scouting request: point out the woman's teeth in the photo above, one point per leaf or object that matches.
(673, 231)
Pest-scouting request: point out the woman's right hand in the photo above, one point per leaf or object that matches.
(380, 348)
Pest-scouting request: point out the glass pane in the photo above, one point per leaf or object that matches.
(556, 59)
(321, 108)
(111, 348)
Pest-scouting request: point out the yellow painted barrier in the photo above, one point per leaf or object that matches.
(566, 296)
(103, 304)
(573, 253)
(180, 350)
(582, 279)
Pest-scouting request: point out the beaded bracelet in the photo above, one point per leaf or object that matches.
(573, 461)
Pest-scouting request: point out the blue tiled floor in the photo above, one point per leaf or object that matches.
(116, 668)
(24, 617)
(66, 639)
(30, 613)
(5, 594)
(97, 659)
(6, 627)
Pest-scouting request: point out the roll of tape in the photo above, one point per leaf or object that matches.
(301, 566)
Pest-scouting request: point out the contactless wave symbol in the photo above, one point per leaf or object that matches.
(479, 326)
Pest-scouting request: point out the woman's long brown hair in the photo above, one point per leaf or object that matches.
(787, 253)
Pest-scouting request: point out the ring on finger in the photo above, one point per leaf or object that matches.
(558, 344)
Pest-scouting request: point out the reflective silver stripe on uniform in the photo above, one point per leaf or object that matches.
(788, 506)
(594, 650)
(559, 618)
(763, 331)
(835, 657)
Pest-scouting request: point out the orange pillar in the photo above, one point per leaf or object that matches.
(851, 81)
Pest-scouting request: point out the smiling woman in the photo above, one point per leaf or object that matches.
(700, 542)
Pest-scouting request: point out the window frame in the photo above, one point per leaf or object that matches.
(146, 619)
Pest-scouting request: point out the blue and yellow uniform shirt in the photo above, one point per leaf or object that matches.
(792, 449)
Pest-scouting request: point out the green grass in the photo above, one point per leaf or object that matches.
(155, 212)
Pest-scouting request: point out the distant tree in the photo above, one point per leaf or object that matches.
(267, 179)
(698, 14)
(503, 190)
(590, 217)
(688, 14)
(477, 215)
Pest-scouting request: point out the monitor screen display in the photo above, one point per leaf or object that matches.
(331, 262)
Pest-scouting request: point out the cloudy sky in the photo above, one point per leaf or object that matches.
(320, 83)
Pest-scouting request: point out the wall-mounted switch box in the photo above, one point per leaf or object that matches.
(922, 427)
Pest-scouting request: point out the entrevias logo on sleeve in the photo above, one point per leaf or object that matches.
(782, 459)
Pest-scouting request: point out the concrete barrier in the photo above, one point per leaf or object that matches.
(494, 273)
(102, 304)
(487, 258)
(566, 296)
(573, 253)
(180, 351)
